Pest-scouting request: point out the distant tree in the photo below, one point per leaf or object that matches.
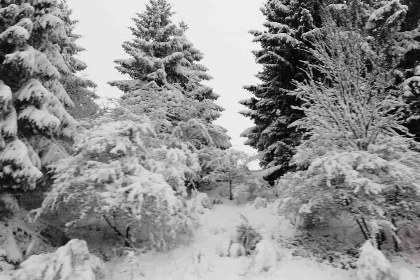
(229, 166)
(32, 99)
(355, 160)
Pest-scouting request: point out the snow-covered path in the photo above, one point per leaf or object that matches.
(200, 259)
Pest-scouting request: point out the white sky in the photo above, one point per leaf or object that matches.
(218, 28)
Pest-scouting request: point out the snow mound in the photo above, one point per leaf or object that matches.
(260, 202)
(10, 250)
(405, 274)
(236, 250)
(223, 247)
(266, 257)
(70, 262)
(200, 201)
(373, 265)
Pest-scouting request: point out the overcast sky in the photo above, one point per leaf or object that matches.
(218, 28)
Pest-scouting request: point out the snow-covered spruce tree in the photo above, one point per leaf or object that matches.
(166, 81)
(178, 120)
(270, 108)
(79, 88)
(161, 53)
(121, 174)
(174, 113)
(355, 160)
(32, 113)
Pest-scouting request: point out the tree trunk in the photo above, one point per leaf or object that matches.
(127, 242)
(394, 236)
(230, 191)
(127, 237)
(365, 235)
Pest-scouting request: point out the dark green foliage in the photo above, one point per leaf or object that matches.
(281, 55)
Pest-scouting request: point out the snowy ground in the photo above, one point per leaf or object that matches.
(205, 257)
(201, 258)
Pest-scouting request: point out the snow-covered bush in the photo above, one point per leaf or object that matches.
(200, 201)
(122, 175)
(366, 184)
(259, 187)
(409, 236)
(247, 236)
(260, 203)
(70, 262)
(373, 265)
(216, 199)
(236, 250)
(266, 257)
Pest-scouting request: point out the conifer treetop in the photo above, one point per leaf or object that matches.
(161, 53)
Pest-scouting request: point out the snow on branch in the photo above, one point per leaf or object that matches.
(391, 13)
(18, 164)
(41, 118)
(33, 61)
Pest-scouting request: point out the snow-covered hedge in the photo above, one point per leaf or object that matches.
(121, 175)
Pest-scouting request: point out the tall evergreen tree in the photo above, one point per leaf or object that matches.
(165, 74)
(32, 99)
(281, 55)
(161, 53)
(166, 84)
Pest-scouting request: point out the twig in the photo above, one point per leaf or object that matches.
(127, 241)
